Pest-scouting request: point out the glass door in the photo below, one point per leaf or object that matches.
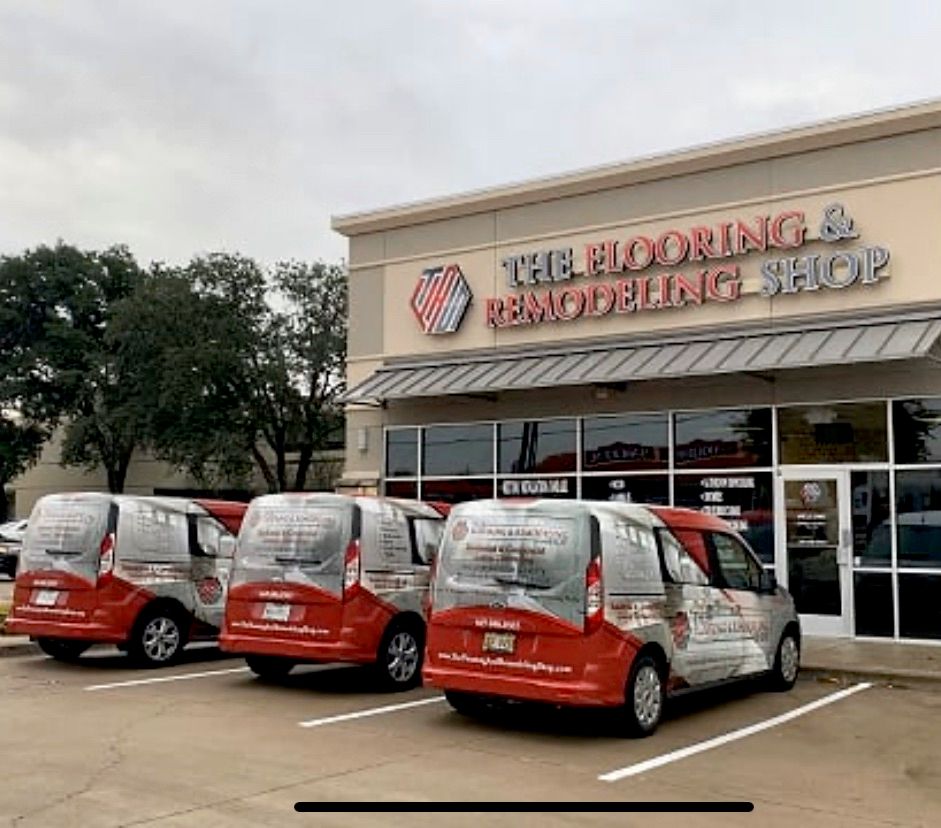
(814, 529)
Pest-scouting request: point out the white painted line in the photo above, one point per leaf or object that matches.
(372, 711)
(162, 679)
(709, 744)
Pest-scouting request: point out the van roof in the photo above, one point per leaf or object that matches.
(412, 508)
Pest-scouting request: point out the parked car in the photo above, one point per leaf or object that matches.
(11, 539)
(600, 604)
(325, 577)
(145, 573)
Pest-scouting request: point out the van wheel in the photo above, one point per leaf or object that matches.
(63, 649)
(786, 663)
(467, 704)
(158, 638)
(644, 697)
(400, 656)
(269, 667)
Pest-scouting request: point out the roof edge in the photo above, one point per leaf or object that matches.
(881, 123)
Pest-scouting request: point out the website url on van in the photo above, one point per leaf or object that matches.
(499, 661)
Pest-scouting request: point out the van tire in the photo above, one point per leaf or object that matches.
(270, 668)
(783, 674)
(401, 653)
(158, 637)
(644, 697)
(63, 649)
(467, 704)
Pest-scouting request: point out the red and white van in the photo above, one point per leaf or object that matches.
(325, 577)
(600, 604)
(145, 573)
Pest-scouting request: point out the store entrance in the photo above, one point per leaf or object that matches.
(814, 547)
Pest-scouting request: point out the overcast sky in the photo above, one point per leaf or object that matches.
(181, 126)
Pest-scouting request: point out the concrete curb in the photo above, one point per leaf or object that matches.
(19, 649)
(896, 678)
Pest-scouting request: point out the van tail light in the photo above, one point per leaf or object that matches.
(594, 597)
(106, 555)
(351, 568)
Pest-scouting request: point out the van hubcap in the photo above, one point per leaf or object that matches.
(161, 639)
(648, 696)
(789, 659)
(402, 656)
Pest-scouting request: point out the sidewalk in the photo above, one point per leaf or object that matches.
(886, 661)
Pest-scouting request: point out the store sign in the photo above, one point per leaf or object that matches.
(695, 266)
(440, 299)
(538, 487)
(718, 498)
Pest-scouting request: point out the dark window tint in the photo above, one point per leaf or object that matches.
(628, 489)
(844, 433)
(458, 450)
(537, 487)
(873, 600)
(723, 439)
(457, 491)
(744, 501)
(737, 569)
(918, 516)
(626, 443)
(872, 530)
(537, 447)
(402, 452)
(916, 425)
(919, 607)
(401, 488)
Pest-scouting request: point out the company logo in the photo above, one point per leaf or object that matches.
(811, 493)
(441, 299)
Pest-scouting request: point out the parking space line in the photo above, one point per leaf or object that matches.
(741, 733)
(372, 711)
(162, 679)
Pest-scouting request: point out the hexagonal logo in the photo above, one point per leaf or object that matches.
(441, 299)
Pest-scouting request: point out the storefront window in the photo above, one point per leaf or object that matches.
(632, 442)
(458, 450)
(457, 491)
(916, 426)
(723, 439)
(744, 501)
(826, 433)
(401, 488)
(919, 607)
(537, 447)
(628, 488)
(537, 487)
(918, 514)
(874, 613)
(401, 452)
(872, 525)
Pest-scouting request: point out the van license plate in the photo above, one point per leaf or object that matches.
(499, 642)
(46, 597)
(277, 612)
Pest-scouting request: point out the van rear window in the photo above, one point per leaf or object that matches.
(64, 529)
(310, 535)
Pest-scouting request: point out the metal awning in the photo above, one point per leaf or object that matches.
(811, 344)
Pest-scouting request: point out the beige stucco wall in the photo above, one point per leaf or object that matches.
(888, 178)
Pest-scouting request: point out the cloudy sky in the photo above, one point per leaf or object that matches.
(182, 126)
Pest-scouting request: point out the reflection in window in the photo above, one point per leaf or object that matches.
(737, 568)
(744, 501)
(844, 433)
(916, 426)
(872, 526)
(918, 515)
(919, 607)
(401, 452)
(401, 488)
(723, 439)
(457, 491)
(628, 489)
(457, 449)
(537, 446)
(680, 565)
(628, 443)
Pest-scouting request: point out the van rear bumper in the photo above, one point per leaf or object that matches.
(334, 650)
(575, 692)
(81, 630)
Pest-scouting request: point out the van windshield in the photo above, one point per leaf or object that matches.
(65, 533)
(535, 557)
(310, 535)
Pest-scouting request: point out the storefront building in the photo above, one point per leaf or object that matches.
(751, 329)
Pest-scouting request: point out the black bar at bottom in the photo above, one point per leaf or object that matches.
(528, 807)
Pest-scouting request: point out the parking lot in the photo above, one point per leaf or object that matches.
(207, 743)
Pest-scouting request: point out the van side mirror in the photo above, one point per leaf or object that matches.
(767, 582)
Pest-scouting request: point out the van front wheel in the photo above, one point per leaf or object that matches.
(644, 697)
(158, 638)
(62, 649)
